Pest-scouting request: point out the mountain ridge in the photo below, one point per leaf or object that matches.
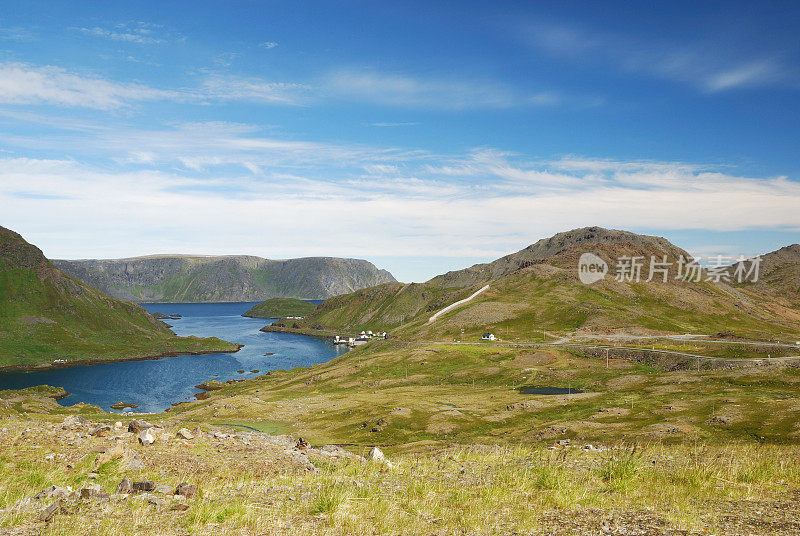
(224, 278)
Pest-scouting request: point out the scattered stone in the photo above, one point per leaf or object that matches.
(145, 485)
(135, 463)
(125, 486)
(93, 476)
(158, 501)
(376, 455)
(180, 507)
(301, 444)
(211, 385)
(57, 492)
(49, 513)
(183, 433)
(563, 442)
(720, 420)
(186, 490)
(163, 488)
(50, 457)
(74, 421)
(147, 437)
(94, 492)
(123, 405)
(137, 426)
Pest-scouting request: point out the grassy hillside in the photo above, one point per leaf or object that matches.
(538, 291)
(279, 308)
(46, 315)
(779, 275)
(252, 484)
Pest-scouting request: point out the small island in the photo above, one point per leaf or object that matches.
(280, 308)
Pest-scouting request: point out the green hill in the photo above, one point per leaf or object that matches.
(46, 315)
(537, 290)
(279, 308)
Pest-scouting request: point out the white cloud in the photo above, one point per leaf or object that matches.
(708, 67)
(268, 45)
(25, 84)
(142, 33)
(16, 33)
(227, 87)
(22, 83)
(397, 124)
(494, 202)
(409, 91)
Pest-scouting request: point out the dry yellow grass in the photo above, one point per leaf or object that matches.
(250, 484)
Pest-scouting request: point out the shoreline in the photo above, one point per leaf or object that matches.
(316, 333)
(90, 362)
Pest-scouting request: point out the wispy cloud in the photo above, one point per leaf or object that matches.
(708, 67)
(25, 84)
(142, 33)
(22, 83)
(410, 91)
(268, 45)
(16, 33)
(390, 125)
(228, 87)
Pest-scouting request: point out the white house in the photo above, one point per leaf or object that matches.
(488, 337)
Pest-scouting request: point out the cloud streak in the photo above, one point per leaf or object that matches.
(141, 33)
(22, 83)
(708, 68)
(394, 89)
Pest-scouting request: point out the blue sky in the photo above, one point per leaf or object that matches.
(424, 136)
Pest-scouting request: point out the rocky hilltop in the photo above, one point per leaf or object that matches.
(547, 248)
(538, 289)
(185, 278)
(48, 317)
(779, 274)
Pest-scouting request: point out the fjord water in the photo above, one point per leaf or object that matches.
(155, 384)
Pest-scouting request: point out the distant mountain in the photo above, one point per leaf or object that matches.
(186, 278)
(46, 315)
(538, 289)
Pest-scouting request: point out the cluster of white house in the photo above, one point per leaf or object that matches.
(363, 338)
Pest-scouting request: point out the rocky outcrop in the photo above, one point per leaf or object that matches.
(182, 278)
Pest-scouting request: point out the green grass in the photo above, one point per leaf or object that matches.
(46, 315)
(279, 308)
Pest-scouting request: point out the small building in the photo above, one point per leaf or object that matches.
(488, 337)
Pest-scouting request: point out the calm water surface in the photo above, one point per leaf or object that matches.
(155, 384)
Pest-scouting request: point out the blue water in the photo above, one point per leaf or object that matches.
(155, 384)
